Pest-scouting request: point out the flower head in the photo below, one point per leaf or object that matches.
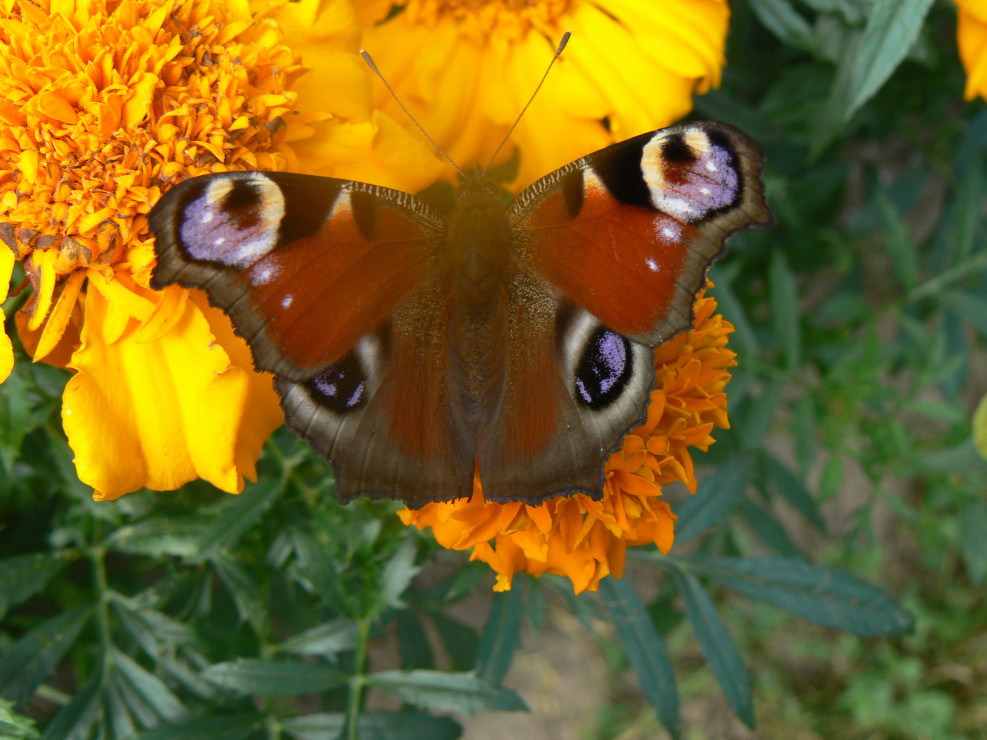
(971, 36)
(104, 105)
(466, 70)
(584, 539)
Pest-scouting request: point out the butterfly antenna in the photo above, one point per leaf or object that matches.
(558, 53)
(370, 63)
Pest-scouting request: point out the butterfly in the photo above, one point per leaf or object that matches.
(416, 350)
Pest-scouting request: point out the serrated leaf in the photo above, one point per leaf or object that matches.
(721, 653)
(785, 314)
(397, 575)
(235, 518)
(375, 726)
(23, 576)
(75, 719)
(826, 596)
(248, 601)
(718, 494)
(212, 727)
(33, 658)
(159, 537)
(974, 542)
(440, 691)
(150, 689)
(121, 722)
(501, 636)
(645, 650)
(891, 30)
(327, 638)
(15, 725)
(272, 678)
(794, 492)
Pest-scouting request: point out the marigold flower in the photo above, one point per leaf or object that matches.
(971, 36)
(584, 539)
(466, 69)
(103, 104)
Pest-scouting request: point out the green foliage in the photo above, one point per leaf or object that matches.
(860, 327)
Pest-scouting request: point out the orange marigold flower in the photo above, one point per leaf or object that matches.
(971, 36)
(584, 539)
(465, 68)
(103, 104)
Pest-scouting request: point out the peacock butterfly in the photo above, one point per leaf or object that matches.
(415, 350)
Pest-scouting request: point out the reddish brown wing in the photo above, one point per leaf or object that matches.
(304, 266)
(629, 231)
(331, 283)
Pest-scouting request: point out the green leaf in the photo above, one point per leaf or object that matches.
(460, 642)
(327, 638)
(441, 691)
(721, 653)
(23, 576)
(744, 339)
(768, 529)
(13, 724)
(159, 537)
(716, 497)
(397, 575)
(413, 641)
(270, 678)
(779, 17)
(757, 422)
(375, 726)
(235, 518)
(891, 30)
(645, 650)
(33, 658)
(973, 541)
(212, 727)
(248, 601)
(785, 309)
(75, 719)
(15, 416)
(149, 688)
(901, 247)
(826, 596)
(969, 307)
(794, 492)
(501, 636)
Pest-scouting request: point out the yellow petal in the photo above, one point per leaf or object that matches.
(54, 328)
(6, 348)
(155, 414)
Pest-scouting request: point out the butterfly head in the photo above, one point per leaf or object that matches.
(477, 191)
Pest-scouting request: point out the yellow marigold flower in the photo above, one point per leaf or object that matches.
(586, 540)
(971, 36)
(465, 68)
(103, 104)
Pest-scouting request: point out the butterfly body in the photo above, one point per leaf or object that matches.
(416, 350)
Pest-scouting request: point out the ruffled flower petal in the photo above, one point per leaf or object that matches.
(466, 70)
(163, 412)
(6, 348)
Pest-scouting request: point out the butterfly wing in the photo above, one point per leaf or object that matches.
(328, 281)
(620, 242)
(630, 231)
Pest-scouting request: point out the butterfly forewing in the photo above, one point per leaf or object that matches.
(629, 231)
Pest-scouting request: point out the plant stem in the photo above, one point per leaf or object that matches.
(358, 680)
